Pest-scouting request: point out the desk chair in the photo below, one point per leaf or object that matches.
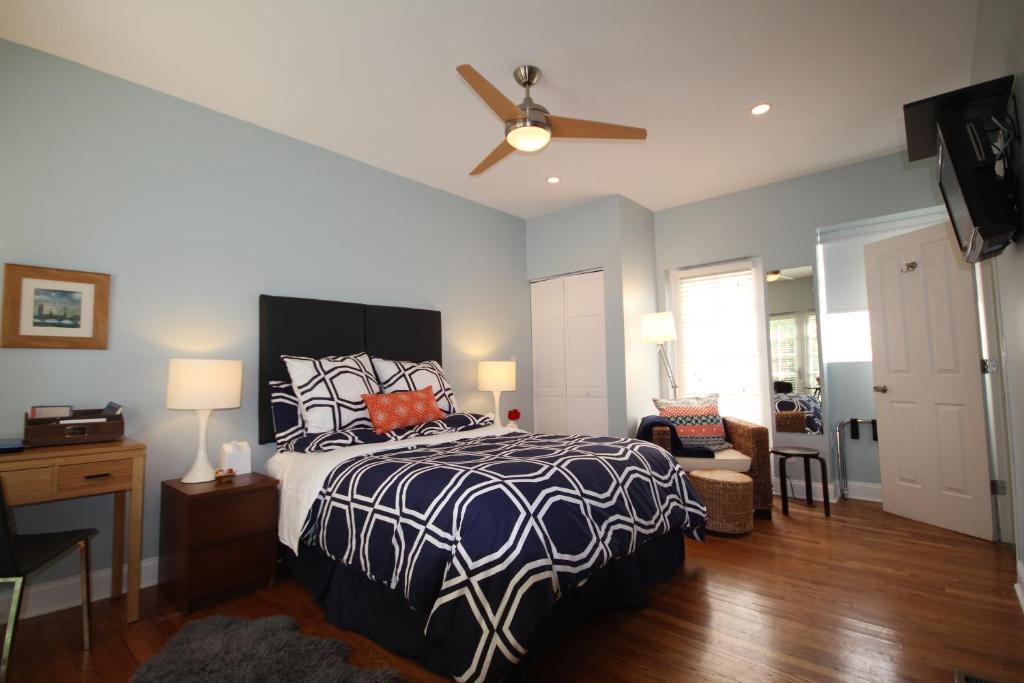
(22, 554)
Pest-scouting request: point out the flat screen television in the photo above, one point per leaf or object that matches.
(975, 134)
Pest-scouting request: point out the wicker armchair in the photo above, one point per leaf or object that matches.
(751, 440)
(791, 421)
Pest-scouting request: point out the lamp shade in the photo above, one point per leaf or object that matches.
(496, 375)
(658, 328)
(204, 384)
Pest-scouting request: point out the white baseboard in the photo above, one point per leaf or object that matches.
(1019, 586)
(864, 490)
(51, 596)
(858, 490)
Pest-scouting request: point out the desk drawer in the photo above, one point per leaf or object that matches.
(28, 486)
(94, 477)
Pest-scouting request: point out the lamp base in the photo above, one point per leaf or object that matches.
(202, 470)
(497, 403)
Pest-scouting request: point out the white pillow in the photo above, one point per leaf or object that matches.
(400, 375)
(330, 390)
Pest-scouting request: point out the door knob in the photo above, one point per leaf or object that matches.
(881, 388)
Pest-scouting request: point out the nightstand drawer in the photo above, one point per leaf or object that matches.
(94, 477)
(227, 518)
(247, 563)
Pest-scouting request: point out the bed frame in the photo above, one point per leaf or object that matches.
(318, 328)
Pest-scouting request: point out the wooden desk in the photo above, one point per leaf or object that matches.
(40, 475)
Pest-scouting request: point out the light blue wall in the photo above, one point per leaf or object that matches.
(998, 51)
(779, 223)
(194, 215)
(583, 238)
(639, 296)
(616, 235)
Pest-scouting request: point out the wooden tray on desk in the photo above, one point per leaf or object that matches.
(48, 431)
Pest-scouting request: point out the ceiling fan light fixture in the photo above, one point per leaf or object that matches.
(527, 136)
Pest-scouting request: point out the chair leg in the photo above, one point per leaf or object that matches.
(782, 484)
(824, 485)
(12, 621)
(83, 553)
(807, 482)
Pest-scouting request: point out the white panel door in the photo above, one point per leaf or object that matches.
(547, 301)
(586, 374)
(926, 360)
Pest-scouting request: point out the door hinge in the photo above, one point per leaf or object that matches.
(998, 487)
(988, 366)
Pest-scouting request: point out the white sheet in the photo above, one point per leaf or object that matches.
(302, 475)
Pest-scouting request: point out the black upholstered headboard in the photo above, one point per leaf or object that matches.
(317, 328)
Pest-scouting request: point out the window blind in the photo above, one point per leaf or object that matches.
(811, 337)
(785, 349)
(718, 350)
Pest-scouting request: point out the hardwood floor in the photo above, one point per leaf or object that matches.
(863, 596)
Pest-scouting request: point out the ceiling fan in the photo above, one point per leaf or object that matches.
(529, 127)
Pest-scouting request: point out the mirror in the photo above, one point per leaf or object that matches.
(795, 359)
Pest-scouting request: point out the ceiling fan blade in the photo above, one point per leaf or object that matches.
(562, 127)
(500, 152)
(505, 108)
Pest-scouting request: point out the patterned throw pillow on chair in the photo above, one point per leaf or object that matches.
(330, 390)
(696, 419)
(399, 375)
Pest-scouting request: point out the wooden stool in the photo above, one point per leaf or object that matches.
(807, 454)
(729, 497)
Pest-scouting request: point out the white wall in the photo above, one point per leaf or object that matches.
(194, 215)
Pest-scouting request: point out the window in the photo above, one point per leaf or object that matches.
(720, 314)
(794, 350)
(785, 345)
(813, 380)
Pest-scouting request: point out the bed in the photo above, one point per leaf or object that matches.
(800, 412)
(467, 546)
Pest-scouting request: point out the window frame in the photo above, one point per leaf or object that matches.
(762, 383)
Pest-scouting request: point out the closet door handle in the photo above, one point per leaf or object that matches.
(881, 388)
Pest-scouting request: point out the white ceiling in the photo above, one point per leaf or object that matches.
(375, 80)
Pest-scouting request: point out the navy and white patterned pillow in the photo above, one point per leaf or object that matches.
(330, 390)
(284, 409)
(319, 443)
(400, 375)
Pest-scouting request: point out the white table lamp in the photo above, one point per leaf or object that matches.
(496, 376)
(660, 328)
(203, 385)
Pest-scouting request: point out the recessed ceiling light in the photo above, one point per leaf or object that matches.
(760, 109)
(554, 180)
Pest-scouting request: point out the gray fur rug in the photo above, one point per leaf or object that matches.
(233, 650)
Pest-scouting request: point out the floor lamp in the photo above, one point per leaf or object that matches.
(660, 328)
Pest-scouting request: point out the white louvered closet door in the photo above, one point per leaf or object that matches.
(547, 300)
(570, 372)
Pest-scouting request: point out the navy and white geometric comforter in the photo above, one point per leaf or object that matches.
(484, 534)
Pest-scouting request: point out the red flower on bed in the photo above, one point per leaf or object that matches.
(514, 414)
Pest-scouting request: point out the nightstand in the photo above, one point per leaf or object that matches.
(217, 540)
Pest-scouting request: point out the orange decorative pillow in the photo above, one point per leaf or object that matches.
(402, 409)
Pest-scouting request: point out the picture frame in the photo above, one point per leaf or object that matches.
(53, 308)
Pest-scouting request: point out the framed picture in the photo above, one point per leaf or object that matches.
(50, 308)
